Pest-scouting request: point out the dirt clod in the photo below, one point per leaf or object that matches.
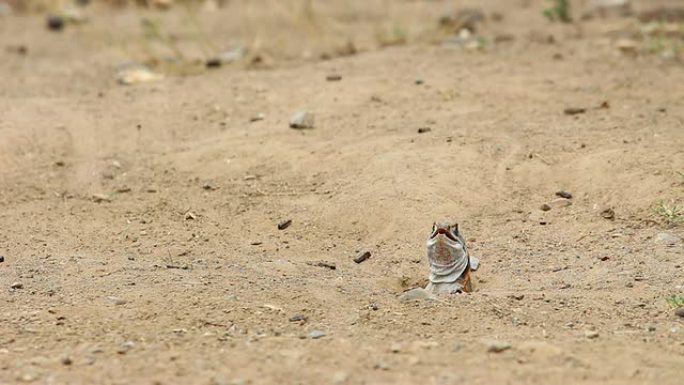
(55, 23)
(608, 214)
(302, 120)
(362, 256)
(284, 224)
(574, 110)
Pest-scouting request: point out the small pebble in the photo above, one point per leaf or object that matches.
(213, 63)
(316, 334)
(302, 120)
(327, 265)
(680, 312)
(544, 207)
(66, 361)
(298, 318)
(362, 256)
(591, 334)
(117, 300)
(17, 285)
(2, 259)
(608, 214)
(496, 346)
(423, 130)
(284, 224)
(333, 78)
(564, 194)
(574, 111)
(125, 347)
(518, 297)
(666, 238)
(55, 23)
(560, 202)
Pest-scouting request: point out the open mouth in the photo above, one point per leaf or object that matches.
(443, 231)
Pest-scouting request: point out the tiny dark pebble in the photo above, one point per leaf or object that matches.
(680, 312)
(419, 82)
(564, 194)
(604, 105)
(17, 285)
(66, 361)
(327, 265)
(574, 111)
(213, 63)
(59, 163)
(256, 243)
(608, 214)
(423, 130)
(55, 23)
(604, 258)
(545, 207)
(362, 256)
(518, 297)
(333, 78)
(2, 259)
(298, 318)
(284, 224)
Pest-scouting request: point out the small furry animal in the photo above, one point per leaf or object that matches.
(450, 262)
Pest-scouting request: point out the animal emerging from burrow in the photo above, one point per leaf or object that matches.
(450, 262)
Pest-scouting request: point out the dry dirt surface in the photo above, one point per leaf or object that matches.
(139, 223)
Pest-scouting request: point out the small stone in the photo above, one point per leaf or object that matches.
(137, 74)
(257, 118)
(125, 347)
(284, 224)
(544, 207)
(55, 23)
(208, 185)
(362, 256)
(190, 216)
(302, 120)
(395, 348)
(496, 346)
(679, 312)
(17, 285)
(591, 334)
(213, 63)
(415, 294)
(603, 258)
(564, 194)
(298, 318)
(99, 198)
(2, 259)
(316, 334)
(560, 202)
(232, 55)
(117, 300)
(608, 214)
(651, 328)
(66, 361)
(666, 238)
(327, 265)
(333, 78)
(627, 46)
(518, 297)
(574, 110)
(423, 130)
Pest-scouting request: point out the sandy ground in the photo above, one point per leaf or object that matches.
(138, 224)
